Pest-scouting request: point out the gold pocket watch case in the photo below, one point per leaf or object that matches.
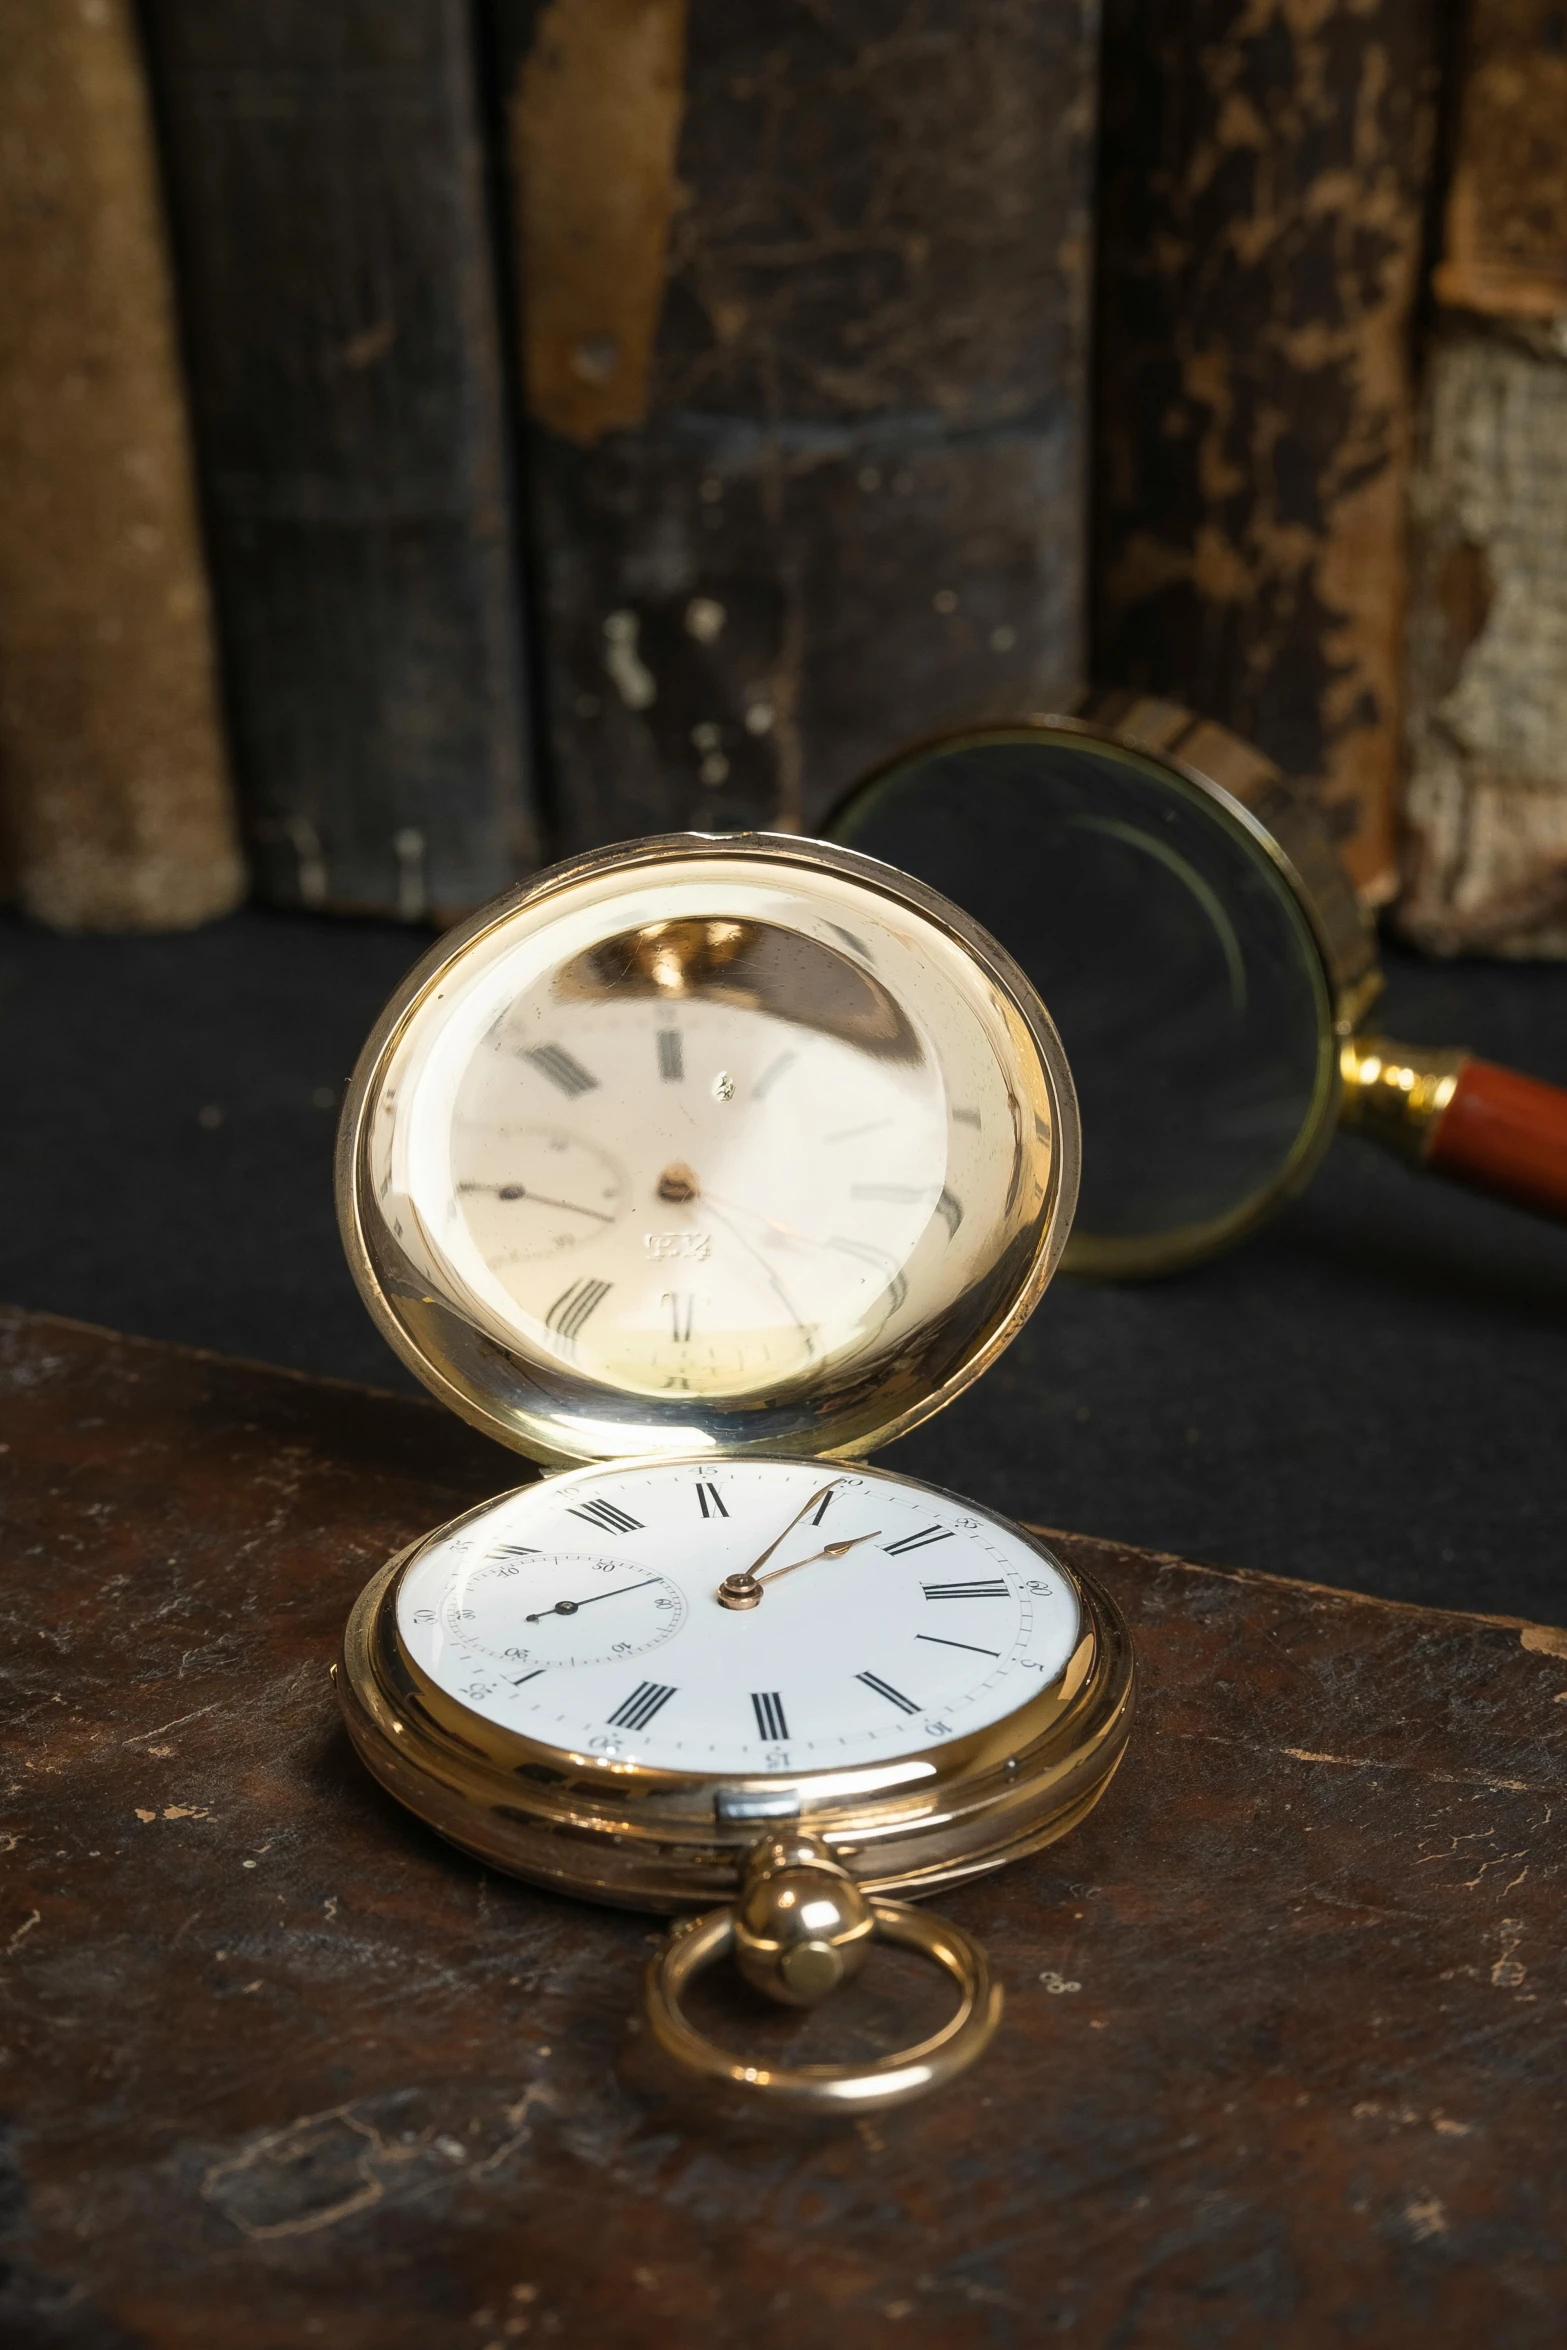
(693, 1170)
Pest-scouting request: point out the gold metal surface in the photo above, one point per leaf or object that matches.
(821, 2088)
(802, 1925)
(1396, 1093)
(644, 1838)
(581, 1344)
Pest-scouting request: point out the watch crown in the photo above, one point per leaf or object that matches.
(802, 1926)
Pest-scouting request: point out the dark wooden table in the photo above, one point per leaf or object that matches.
(1283, 2056)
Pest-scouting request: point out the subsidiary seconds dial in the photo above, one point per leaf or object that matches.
(518, 1612)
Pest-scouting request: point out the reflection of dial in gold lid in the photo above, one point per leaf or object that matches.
(743, 1141)
(532, 1191)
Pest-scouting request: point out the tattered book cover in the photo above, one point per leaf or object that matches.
(804, 301)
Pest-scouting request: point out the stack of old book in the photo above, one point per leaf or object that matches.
(602, 416)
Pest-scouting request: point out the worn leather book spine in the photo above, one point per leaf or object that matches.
(1486, 808)
(804, 301)
(1505, 243)
(337, 266)
(114, 796)
(1264, 174)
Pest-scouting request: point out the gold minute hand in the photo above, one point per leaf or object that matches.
(757, 1564)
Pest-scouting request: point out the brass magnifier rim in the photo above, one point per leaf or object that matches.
(1243, 791)
(830, 2088)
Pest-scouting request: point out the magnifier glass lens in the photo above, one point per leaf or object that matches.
(1174, 956)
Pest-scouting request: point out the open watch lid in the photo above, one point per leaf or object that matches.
(745, 1142)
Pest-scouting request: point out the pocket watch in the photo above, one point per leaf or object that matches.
(694, 1169)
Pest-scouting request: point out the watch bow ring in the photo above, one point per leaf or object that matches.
(799, 1928)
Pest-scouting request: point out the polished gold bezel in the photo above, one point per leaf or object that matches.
(642, 1837)
(1246, 791)
(853, 1419)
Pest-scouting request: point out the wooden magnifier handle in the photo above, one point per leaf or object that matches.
(1463, 1118)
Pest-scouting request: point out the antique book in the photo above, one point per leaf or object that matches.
(332, 223)
(1486, 804)
(1505, 248)
(1263, 177)
(115, 806)
(1284, 2016)
(804, 302)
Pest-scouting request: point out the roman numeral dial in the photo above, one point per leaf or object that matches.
(596, 1612)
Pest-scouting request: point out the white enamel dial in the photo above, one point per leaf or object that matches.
(762, 1197)
(584, 1612)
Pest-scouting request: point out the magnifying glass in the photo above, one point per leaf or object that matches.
(1185, 916)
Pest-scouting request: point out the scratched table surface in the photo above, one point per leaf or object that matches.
(1283, 2053)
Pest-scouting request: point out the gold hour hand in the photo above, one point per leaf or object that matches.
(743, 1591)
(834, 1550)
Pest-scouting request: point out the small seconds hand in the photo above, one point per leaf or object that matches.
(540, 1199)
(569, 1607)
